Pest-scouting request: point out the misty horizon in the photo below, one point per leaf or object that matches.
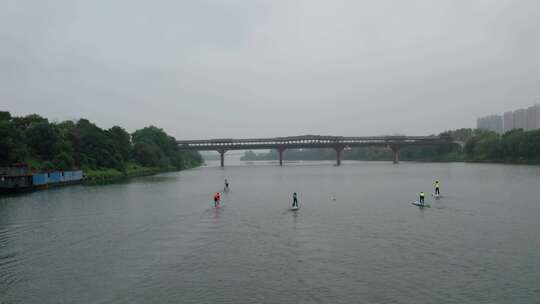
(251, 69)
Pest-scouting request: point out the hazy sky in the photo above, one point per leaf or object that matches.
(226, 68)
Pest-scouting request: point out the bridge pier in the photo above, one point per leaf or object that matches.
(395, 151)
(280, 151)
(222, 157)
(338, 149)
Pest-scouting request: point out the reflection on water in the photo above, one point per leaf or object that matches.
(355, 239)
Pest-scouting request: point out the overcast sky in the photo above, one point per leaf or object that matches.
(227, 68)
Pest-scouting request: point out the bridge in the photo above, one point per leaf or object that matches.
(338, 143)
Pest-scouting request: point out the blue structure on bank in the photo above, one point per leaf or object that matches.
(19, 178)
(39, 179)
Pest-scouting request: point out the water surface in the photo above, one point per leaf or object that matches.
(157, 239)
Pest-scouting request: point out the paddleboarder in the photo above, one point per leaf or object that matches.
(217, 198)
(295, 200)
(437, 185)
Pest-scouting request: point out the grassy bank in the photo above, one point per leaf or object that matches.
(106, 176)
(506, 161)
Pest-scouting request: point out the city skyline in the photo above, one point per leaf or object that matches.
(523, 118)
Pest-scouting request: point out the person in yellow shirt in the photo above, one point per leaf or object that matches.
(422, 196)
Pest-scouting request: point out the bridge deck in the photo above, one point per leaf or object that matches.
(309, 141)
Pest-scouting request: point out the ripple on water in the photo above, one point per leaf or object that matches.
(10, 258)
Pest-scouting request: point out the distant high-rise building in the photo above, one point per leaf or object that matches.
(508, 121)
(531, 119)
(491, 123)
(537, 106)
(520, 119)
(526, 119)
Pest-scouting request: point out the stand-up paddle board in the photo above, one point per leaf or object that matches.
(420, 205)
(220, 204)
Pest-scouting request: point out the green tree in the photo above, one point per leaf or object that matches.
(22, 123)
(12, 147)
(157, 137)
(43, 139)
(4, 115)
(488, 147)
(69, 144)
(121, 141)
(147, 154)
(91, 142)
(63, 161)
(47, 166)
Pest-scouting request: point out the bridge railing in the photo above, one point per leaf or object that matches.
(311, 140)
(339, 143)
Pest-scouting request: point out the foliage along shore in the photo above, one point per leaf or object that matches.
(513, 147)
(106, 176)
(102, 154)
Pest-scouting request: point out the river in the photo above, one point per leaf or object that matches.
(356, 238)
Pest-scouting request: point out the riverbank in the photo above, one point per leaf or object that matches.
(58, 148)
(531, 162)
(19, 179)
(95, 177)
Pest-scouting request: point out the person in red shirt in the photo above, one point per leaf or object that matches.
(217, 198)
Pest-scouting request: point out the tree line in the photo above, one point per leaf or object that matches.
(66, 145)
(516, 146)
